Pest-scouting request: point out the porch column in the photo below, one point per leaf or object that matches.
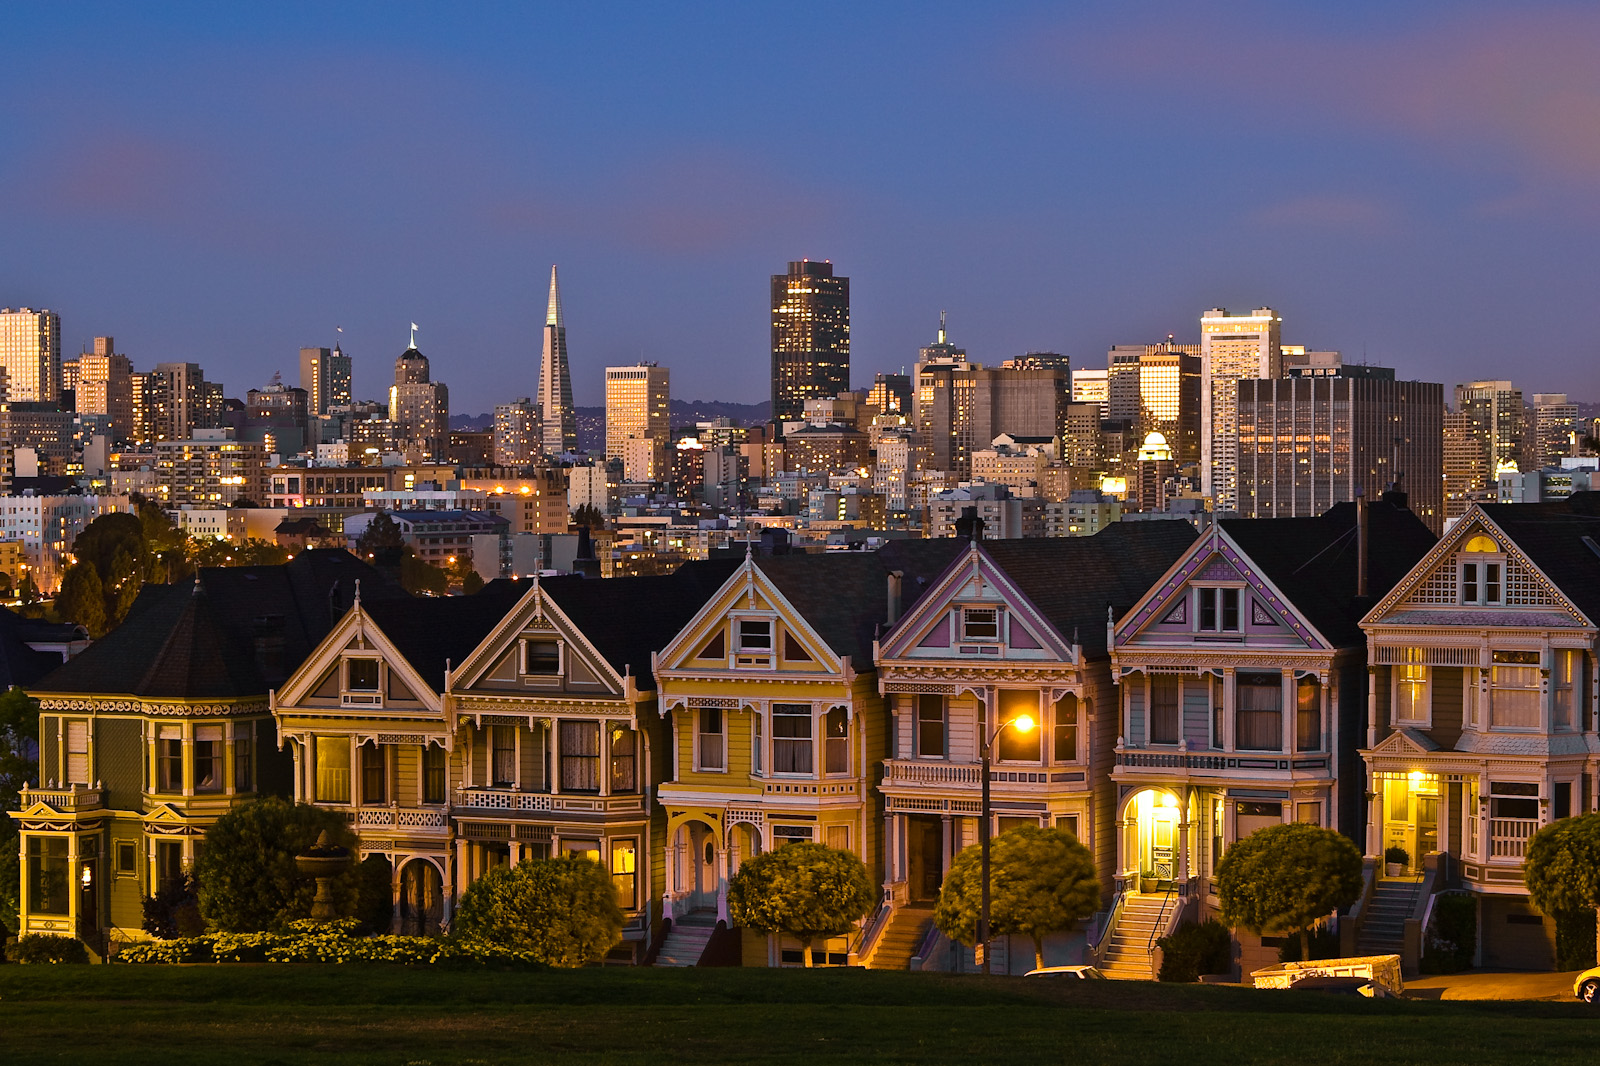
(605, 757)
(1287, 710)
(1547, 697)
(462, 872)
(516, 759)
(1372, 708)
(22, 896)
(73, 893)
(1230, 705)
(948, 847)
(552, 756)
(1328, 729)
(1185, 835)
(1374, 813)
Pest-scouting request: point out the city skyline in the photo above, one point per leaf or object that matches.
(1415, 198)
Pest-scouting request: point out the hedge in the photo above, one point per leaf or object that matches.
(47, 948)
(335, 942)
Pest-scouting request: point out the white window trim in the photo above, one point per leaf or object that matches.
(752, 658)
(360, 697)
(1467, 559)
(797, 775)
(541, 679)
(699, 764)
(1194, 608)
(1426, 720)
(966, 638)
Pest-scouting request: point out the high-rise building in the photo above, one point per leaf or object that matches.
(418, 406)
(325, 375)
(1092, 386)
(1494, 422)
(810, 337)
(1308, 442)
(1554, 421)
(195, 402)
(638, 399)
(516, 433)
(276, 416)
(555, 380)
(105, 387)
(1156, 389)
(1232, 347)
(890, 394)
(30, 351)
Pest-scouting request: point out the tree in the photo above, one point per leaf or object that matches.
(247, 877)
(418, 576)
(588, 515)
(382, 532)
(82, 599)
(113, 549)
(1562, 869)
(808, 891)
(564, 911)
(1041, 881)
(19, 764)
(1286, 878)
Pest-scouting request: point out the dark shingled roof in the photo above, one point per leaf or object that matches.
(21, 664)
(243, 631)
(432, 632)
(1313, 560)
(1073, 580)
(1553, 536)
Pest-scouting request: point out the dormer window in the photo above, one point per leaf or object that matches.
(752, 642)
(980, 625)
(541, 658)
(361, 682)
(1482, 572)
(1218, 610)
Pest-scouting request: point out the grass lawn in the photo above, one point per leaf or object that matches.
(248, 1015)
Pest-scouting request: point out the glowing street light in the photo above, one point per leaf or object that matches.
(1023, 723)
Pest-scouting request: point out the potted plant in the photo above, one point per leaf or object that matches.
(1395, 860)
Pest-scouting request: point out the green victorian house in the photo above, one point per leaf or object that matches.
(150, 734)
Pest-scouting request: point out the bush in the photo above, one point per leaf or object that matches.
(1195, 949)
(248, 880)
(808, 891)
(1452, 935)
(326, 942)
(173, 912)
(562, 911)
(46, 947)
(1324, 945)
(1575, 948)
(1397, 855)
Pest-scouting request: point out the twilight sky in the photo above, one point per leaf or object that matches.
(225, 183)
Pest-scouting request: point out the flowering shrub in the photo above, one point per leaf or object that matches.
(335, 942)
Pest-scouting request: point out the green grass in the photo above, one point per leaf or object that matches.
(249, 1015)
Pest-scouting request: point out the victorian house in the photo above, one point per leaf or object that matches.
(1484, 708)
(1012, 634)
(776, 728)
(1243, 691)
(154, 731)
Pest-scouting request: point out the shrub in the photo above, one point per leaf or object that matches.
(173, 912)
(808, 891)
(248, 880)
(46, 948)
(1287, 879)
(331, 942)
(1324, 945)
(562, 911)
(1575, 940)
(1195, 949)
(1452, 935)
(1396, 854)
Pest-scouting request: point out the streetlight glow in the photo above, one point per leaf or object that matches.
(1023, 723)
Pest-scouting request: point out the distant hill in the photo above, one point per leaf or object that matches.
(592, 420)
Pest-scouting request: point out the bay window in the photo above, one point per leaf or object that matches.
(169, 759)
(1066, 729)
(580, 756)
(791, 738)
(1307, 715)
(624, 760)
(836, 741)
(1166, 697)
(244, 757)
(1514, 690)
(625, 872)
(208, 755)
(1411, 688)
(1259, 721)
(1566, 671)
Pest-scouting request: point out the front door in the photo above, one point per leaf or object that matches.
(421, 899)
(925, 856)
(703, 862)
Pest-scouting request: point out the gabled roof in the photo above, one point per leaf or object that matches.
(199, 639)
(434, 633)
(1312, 561)
(1561, 538)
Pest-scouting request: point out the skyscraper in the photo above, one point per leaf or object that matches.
(325, 375)
(1494, 419)
(555, 380)
(637, 402)
(105, 387)
(810, 337)
(418, 406)
(30, 351)
(516, 433)
(1232, 347)
(1156, 389)
(192, 401)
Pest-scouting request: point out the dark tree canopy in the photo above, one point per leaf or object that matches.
(382, 532)
(808, 891)
(1563, 869)
(1286, 878)
(1041, 881)
(564, 911)
(247, 877)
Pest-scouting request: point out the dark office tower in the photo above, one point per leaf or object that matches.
(325, 377)
(555, 380)
(810, 337)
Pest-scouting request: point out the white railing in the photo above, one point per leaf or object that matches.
(506, 800)
(1508, 837)
(907, 772)
(401, 818)
(71, 798)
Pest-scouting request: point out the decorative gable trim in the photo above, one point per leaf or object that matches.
(1404, 742)
(540, 615)
(356, 627)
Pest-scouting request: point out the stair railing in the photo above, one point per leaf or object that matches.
(1097, 948)
(872, 931)
(1159, 930)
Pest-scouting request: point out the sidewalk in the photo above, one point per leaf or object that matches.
(1480, 984)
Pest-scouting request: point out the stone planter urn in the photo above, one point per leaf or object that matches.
(324, 861)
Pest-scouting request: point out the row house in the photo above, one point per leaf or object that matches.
(153, 732)
(1011, 628)
(1243, 692)
(1483, 687)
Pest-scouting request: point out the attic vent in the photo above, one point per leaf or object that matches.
(1589, 542)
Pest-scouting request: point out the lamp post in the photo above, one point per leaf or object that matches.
(1024, 724)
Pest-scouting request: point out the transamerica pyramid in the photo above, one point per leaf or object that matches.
(560, 425)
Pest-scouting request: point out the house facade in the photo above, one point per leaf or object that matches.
(1483, 686)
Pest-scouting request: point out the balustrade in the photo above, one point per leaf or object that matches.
(1508, 837)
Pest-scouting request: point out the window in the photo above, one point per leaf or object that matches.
(624, 760)
(1069, 822)
(758, 752)
(361, 675)
(208, 756)
(836, 741)
(333, 769)
(1259, 725)
(1219, 610)
(433, 773)
(837, 836)
(48, 875)
(625, 872)
(169, 759)
(1166, 697)
(1307, 715)
(980, 624)
(372, 774)
(244, 757)
(1514, 690)
(77, 769)
(1482, 574)
(710, 722)
(1309, 813)
(1066, 735)
(502, 755)
(1411, 688)
(755, 634)
(1218, 738)
(930, 738)
(1513, 799)
(169, 864)
(1563, 801)
(790, 834)
(1016, 745)
(580, 756)
(791, 738)
(1566, 670)
(127, 857)
(541, 658)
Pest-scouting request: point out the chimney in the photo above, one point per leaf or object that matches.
(1363, 550)
(585, 562)
(894, 596)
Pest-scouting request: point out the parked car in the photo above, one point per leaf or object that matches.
(1080, 973)
(1587, 986)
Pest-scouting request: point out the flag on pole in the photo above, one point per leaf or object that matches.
(414, 325)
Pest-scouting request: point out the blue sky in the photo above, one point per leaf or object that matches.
(224, 183)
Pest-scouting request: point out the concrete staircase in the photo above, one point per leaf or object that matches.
(1383, 922)
(687, 939)
(901, 939)
(1129, 954)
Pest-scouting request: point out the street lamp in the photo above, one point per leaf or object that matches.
(1024, 723)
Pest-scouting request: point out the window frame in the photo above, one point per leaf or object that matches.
(833, 746)
(435, 769)
(616, 761)
(919, 721)
(1239, 710)
(217, 738)
(349, 695)
(541, 677)
(1530, 671)
(701, 764)
(583, 765)
(374, 770)
(628, 846)
(1174, 713)
(753, 655)
(793, 745)
(1217, 608)
(1480, 579)
(243, 755)
(969, 617)
(1421, 683)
